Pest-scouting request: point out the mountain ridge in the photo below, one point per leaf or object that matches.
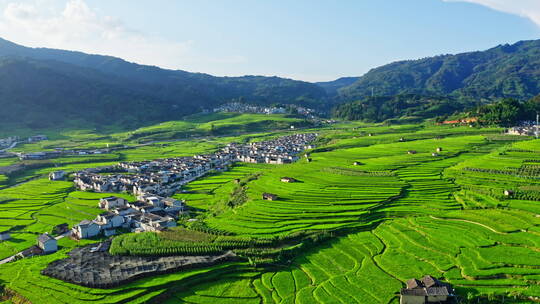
(172, 93)
(507, 70)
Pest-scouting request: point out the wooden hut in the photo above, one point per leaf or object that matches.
(288, 180)
(428, 290)
(269, 196)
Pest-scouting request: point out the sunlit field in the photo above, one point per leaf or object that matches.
(364, 215)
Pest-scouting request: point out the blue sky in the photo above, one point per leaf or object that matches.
(312, 40)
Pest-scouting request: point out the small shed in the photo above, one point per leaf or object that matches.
(269, 196)
(370, 134)
(439, 149)
(57, 175)
(434, 154)
(411, 152)
(288, 180)
(508, 192)
(356, 163)
(309, 160)
(5, 235)
(47, 243)
(401, 139)
(61, 228)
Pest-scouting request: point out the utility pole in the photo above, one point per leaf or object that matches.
(537, 125)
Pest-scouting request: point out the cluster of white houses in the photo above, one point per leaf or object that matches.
(522, 130)
(8, 141)
(152, 182)
(164, 177)
(239, 107)
(59, 153)
(150, 213)
(11, 141)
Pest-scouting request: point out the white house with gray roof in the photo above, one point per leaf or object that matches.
(47, 243)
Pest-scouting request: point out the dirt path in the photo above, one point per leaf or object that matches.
(468, 221)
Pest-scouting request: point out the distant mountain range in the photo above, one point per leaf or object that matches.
(502, 71)
(43, 88)
(332, 87)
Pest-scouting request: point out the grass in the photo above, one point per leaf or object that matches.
(393, 216)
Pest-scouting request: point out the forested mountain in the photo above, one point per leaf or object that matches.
(46, 87)
(43, 87)
(332, 87)
(375, 109)
(503, 71)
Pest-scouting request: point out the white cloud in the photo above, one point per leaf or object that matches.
(525, 8)
(76, 26)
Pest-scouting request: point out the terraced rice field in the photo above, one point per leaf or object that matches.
(393, 215)
(38, 206)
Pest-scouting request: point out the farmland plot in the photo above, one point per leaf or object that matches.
(393, 215)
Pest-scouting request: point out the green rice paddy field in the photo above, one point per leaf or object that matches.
(393, 216)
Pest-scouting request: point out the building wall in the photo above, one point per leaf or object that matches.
(109, 232)
(117, 221)
(50, 246)
(90, 231)
(412, 300)
(437, 299)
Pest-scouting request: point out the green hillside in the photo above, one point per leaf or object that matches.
(42, 88)
(503, 71)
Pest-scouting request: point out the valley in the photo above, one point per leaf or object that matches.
(354, 222)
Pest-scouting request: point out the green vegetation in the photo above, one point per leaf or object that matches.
(508, 112)
(408, 106)
(505, 71)
(446, 85)
(74, 90)
(362, 217)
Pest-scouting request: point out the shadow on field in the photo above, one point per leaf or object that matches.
(16, 240)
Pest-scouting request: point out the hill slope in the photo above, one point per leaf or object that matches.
(502, 71)
(59, 86)
(332, 87)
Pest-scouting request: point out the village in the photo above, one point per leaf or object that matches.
(164, 177)
(525, 128)
(153, 183)
(238, 107)
(12, 141)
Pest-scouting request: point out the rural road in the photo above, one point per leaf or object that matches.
(467, 221)
(10, 147)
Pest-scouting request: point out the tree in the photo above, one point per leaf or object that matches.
(504, 113)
